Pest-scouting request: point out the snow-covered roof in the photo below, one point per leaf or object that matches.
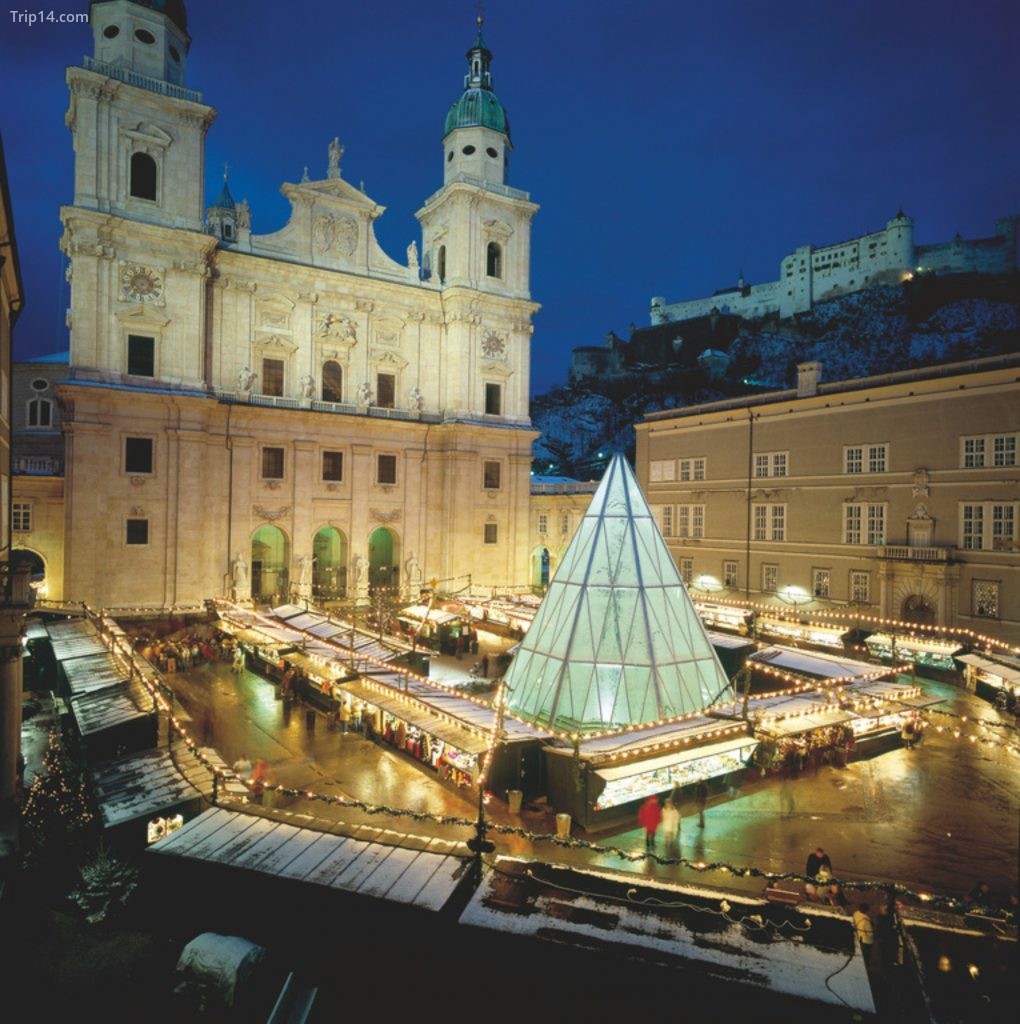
(616, 640)
(811, 663)
(992, 668)
(140, 786)
(400, 874)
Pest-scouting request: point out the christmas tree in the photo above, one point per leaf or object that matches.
(57, 814)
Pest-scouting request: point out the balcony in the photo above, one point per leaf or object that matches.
(36, 465)
(129, 77)
(908, 554)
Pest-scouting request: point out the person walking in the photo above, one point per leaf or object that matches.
(701, 796)
(345, 717)
(650, 817)
(671, 827)
(819, 869)
(865, 931)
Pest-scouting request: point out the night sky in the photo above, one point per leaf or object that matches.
(670, 145)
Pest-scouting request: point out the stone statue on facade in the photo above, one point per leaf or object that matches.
(415, 399)
(364, 393)
(308, 386)
(246, 379)
(335, 152)
(243, 215)
(239, 573)
(413, 573)
(412, 255)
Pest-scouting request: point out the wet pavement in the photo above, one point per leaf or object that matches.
(935, 818)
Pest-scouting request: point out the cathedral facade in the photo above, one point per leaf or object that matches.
(289, 414)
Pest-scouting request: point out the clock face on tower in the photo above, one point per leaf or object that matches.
(140, 283)
(493, 346)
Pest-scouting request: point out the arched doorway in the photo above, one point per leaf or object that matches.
(919, 609)
(383, 560)
(329, 574)
(36, 568)
(540, 569)
(270, 556)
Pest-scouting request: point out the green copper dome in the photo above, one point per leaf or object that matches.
(477, 106)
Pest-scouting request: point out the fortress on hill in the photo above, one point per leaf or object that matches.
(809, 275)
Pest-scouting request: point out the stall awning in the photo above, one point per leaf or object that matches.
(894, 693)
(93, 672)
(416, 715)
(798, 724)
(906, 644)
(420, 611)
(141, 786)
(992, 668)
(625, 771)
(812, 664)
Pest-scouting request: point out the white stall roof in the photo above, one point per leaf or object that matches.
(992, 668)
(77, 646)
(110, 707)
(420, 611)
(726, 640)
(93, 672)
(683, 756)
(288, 611)
(140, 786)
(64, 628)
(897, 693)
(425, 878)
(797, 724)
(906, 644)
(810, 663)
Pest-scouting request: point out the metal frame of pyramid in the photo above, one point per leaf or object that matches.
(616, 641)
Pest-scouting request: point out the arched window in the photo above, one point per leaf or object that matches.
(332, 382)
(40, 413)
(143, 176)
(441, 264)
(494, 260)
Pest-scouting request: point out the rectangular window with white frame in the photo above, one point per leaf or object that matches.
(543, 523)
(863, 523)
(661, 471)
(771, 464)
(730, 574)
(820, 582)
(981, 451)
(692, 469)
(690, 521)
(989, 525)
(21, 516)
(985, 598)
(666, 518)
(769, 578)
(866, 458)
(768, 522)
(860, 586)
(687, 570)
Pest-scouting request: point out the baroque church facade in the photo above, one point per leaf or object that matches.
(296, 412)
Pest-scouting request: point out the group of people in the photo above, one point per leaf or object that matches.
(652, 815)
(183, 651)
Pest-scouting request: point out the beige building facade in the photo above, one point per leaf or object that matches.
(557, 507)
(898, 496)
(295, 413)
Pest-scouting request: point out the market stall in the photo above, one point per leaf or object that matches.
(790, 666)
(881, 708)
(724, 616)
(992, 680)
(602, 782)
(434, 628)
(932, 658)
(732, 651)
(803, 632)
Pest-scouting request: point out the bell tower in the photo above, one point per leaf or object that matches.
(476, 230)
(139, 133)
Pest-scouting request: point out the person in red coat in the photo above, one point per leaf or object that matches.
(650, 817)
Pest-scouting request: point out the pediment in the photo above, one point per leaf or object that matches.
(494, 369)
(147, 133)
(139, 316)
(387, 357)
(333, 193)
(275, 343)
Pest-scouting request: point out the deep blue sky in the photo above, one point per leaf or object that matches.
(668, 144)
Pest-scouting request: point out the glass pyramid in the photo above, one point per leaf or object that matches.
(616, 641)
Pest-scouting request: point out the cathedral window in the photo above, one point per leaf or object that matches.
(386, 469)
(136, 532)
(141, 356)
(493, 399)
(492, 473)
(138, 455)
(144, 36)
(333, 466)
(494, 260)
(272, 463)
(40, 413)
(491, 533)
(21, 516)
(332, 382)
(272, 377)
(143, 176)
(385, 390)
(441, 264)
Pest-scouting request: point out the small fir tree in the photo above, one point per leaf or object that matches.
(106, 883)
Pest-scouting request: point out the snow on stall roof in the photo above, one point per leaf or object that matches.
(793, 954)
(993, 668)
(139, 786)
(811, 663)
(114, 705)
(421, 878)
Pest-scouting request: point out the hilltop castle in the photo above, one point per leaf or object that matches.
(809, 275)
